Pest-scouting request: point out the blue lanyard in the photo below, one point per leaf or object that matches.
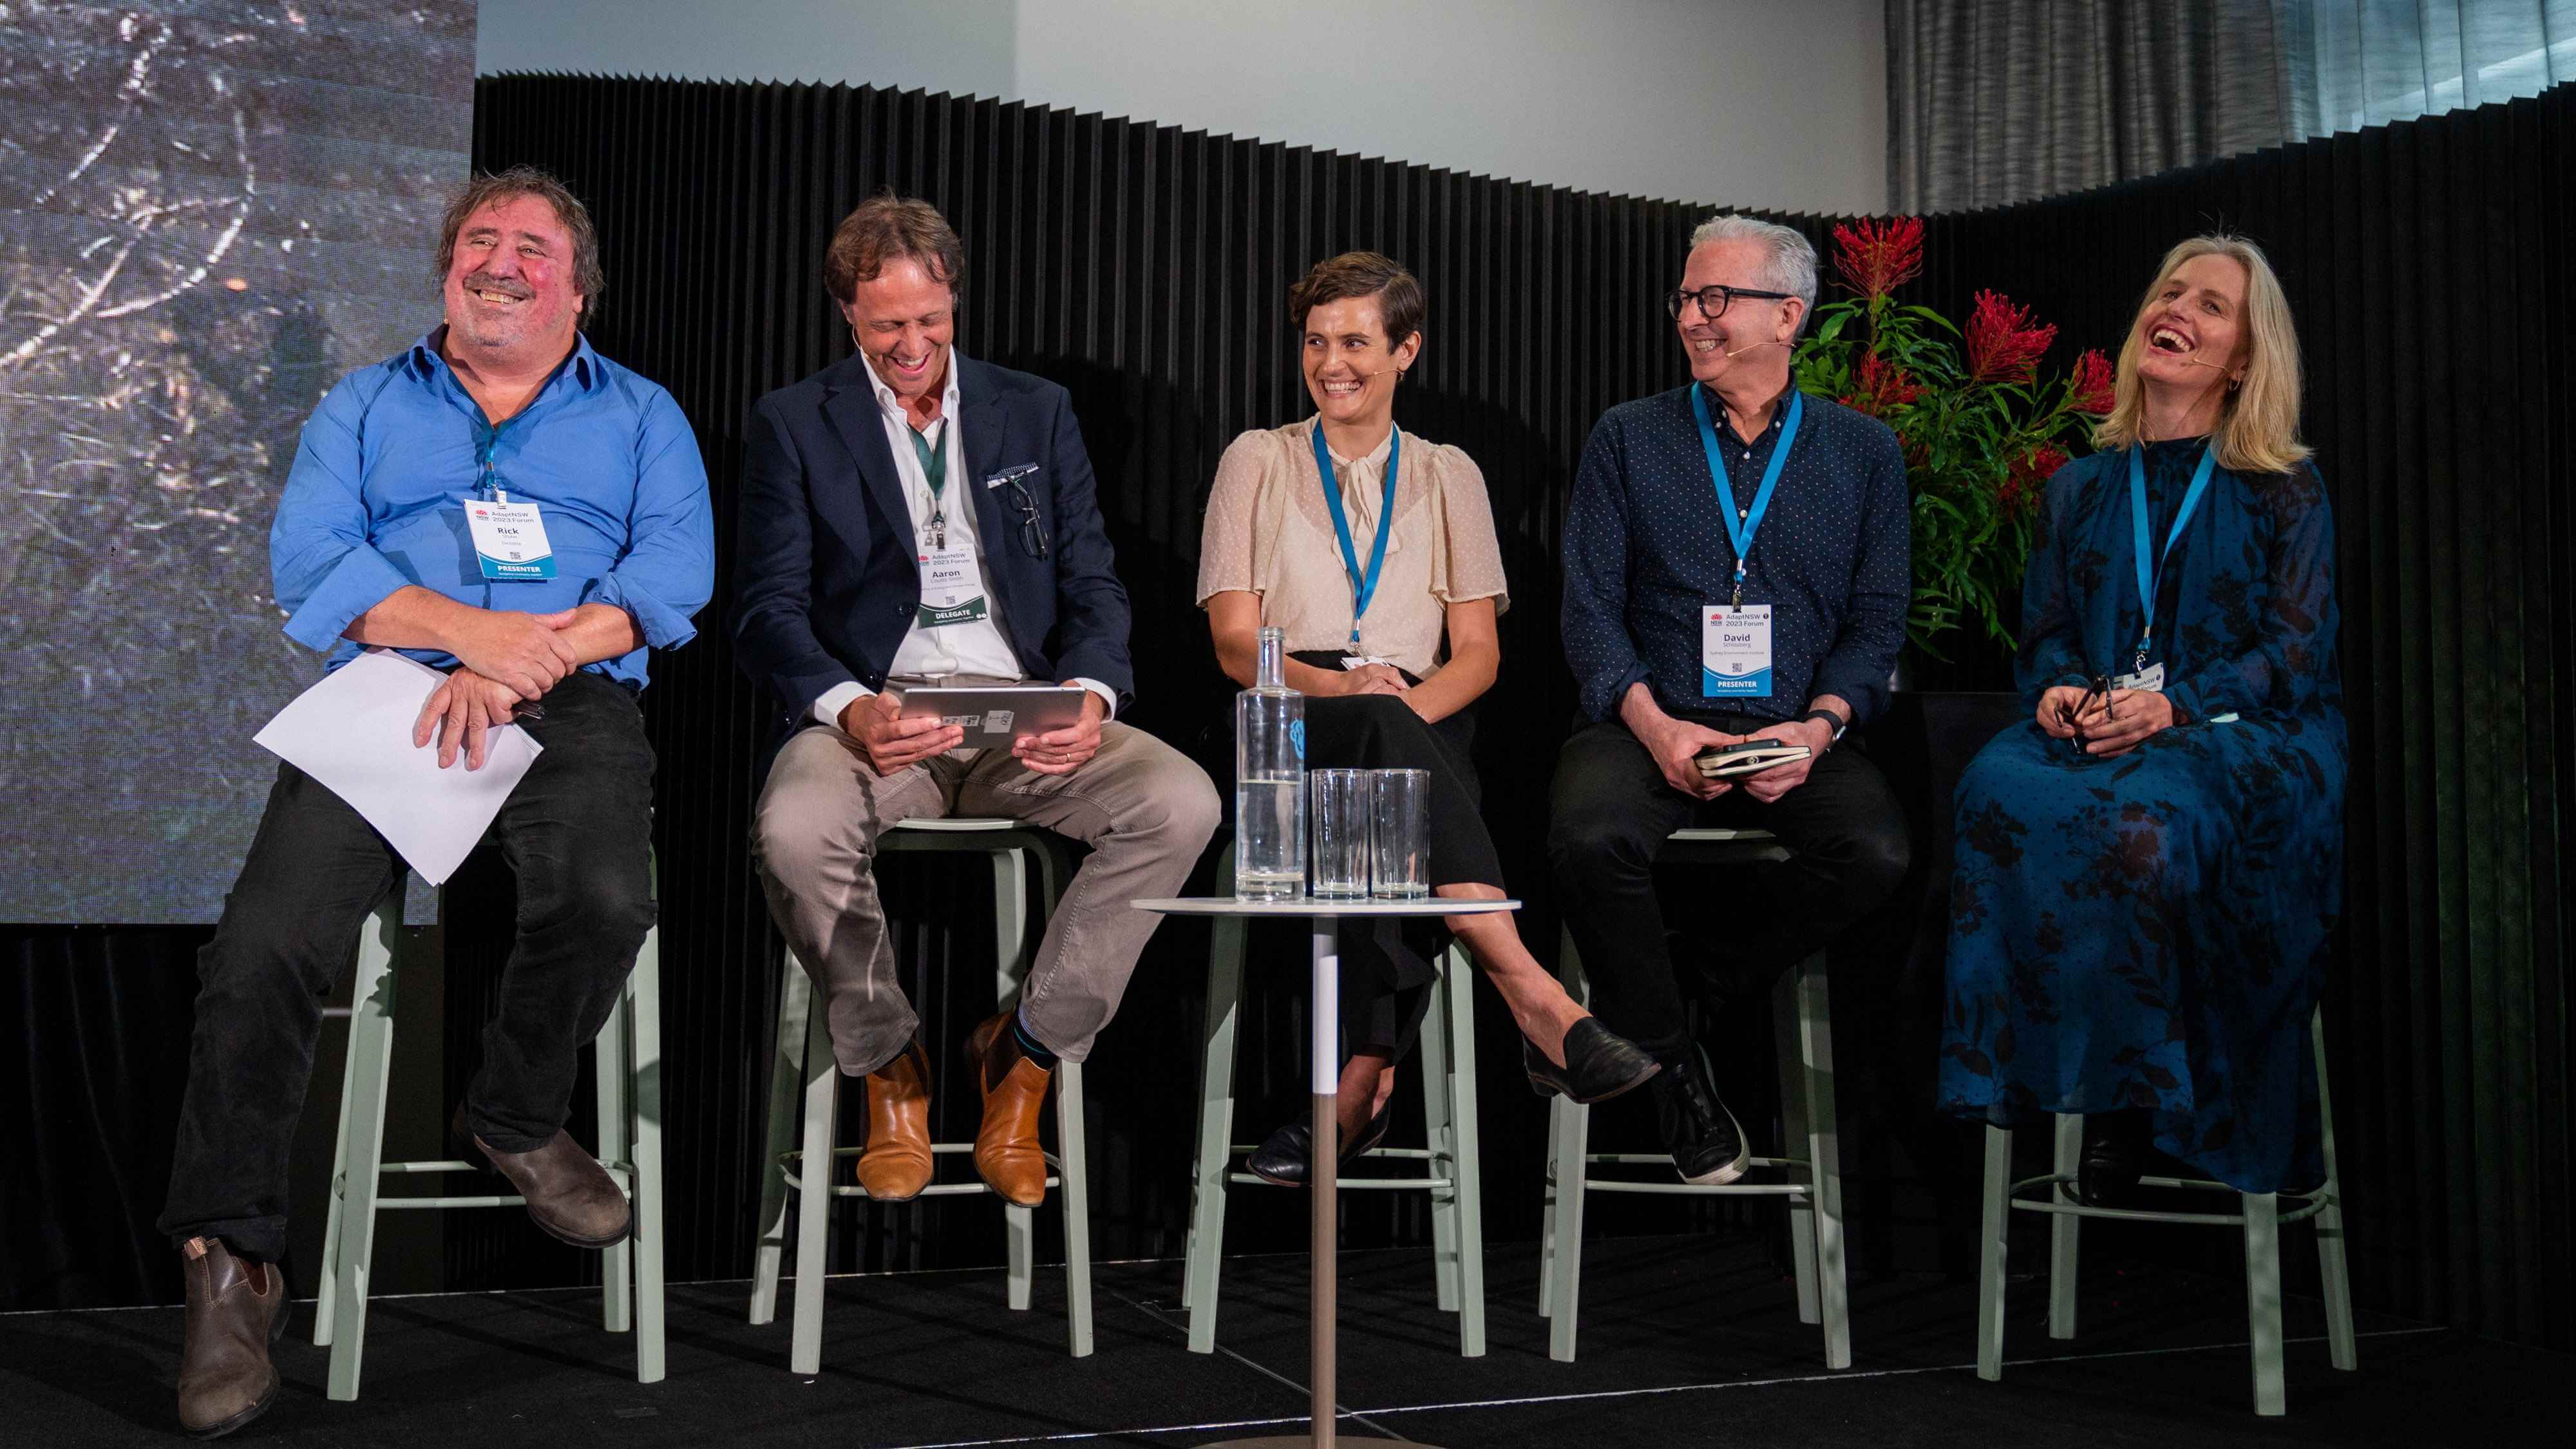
(2151, 575)
(1740, 531)
(1363, 585)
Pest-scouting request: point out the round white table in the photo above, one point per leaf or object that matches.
(1324, 1047)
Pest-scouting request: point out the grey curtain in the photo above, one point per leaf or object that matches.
(1992, 102)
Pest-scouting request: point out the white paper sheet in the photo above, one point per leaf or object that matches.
(352, 732)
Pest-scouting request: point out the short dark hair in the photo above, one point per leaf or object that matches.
(887, 228)
(1362, 274)
(519, 181)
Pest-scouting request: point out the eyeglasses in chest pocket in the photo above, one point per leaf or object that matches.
(1020, 504)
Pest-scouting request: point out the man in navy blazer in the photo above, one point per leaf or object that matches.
(911, 516)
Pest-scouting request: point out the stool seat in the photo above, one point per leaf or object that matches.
(1812, 1185)
(629, 1075)
(803, 1065)
(2259, 1214)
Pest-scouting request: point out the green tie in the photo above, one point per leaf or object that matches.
(934, 461)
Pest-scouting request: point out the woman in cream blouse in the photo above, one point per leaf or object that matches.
(1392, 688)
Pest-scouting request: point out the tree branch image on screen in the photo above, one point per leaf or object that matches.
(204, 222)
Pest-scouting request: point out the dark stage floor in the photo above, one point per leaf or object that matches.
(1685, 1341)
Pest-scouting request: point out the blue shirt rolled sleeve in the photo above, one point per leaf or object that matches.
(322, 566)
(668, 571)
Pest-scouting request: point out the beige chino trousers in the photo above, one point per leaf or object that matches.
(1144, 808)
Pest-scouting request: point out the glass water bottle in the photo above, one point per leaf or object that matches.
(1270, 782)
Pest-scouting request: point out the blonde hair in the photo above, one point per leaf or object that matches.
(2258, 420)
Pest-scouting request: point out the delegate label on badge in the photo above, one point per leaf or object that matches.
(952, 587)
(1735, 651)
(510, 540)
(2151, 679)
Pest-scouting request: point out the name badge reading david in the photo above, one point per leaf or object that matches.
(1735, 651)
(952, 587)
(510, 540)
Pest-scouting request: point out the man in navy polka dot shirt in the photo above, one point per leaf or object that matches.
(1663, 628)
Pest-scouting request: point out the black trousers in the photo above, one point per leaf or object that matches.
(576, 832)
(1609, 811)
(1387, 969)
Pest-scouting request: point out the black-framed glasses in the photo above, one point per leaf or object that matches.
(1713, 300)
(1032, 533)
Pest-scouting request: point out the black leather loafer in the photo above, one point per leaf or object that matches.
(1598, 1064)
(1282, 1157)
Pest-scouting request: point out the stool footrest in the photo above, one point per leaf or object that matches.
(2312, 1202)
(449, 1202)
(936, 1189)
(1355, 1184)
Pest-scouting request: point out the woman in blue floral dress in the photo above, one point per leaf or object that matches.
(2147, 876)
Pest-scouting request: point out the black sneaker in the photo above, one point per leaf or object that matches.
(1707, 1143)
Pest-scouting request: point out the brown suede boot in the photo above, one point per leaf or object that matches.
(1006, 1147)
(896, 1165)
(569, 1194)
(236, 1309)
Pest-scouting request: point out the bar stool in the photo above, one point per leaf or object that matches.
(2260, 1213)
(1813, 1183)
(629, 1062)
(1447, 1055)
(804, 1061)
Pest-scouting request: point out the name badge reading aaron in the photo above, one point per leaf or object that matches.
(510, 540)
(952, 587)
(1735, 651)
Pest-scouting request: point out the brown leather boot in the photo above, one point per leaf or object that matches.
(569, 1194)
(1006, 1147)
(236, 1309)
(896, 1165)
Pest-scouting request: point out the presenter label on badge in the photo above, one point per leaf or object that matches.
(510, 540)
(1735, 651)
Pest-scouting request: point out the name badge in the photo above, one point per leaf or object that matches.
(510, 540)
(1735, 651)
(2150, 679)
(952, 587)
(1354, 661)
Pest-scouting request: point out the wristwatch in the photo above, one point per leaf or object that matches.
(1832, 721)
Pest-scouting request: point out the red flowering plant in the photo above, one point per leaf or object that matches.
(1981, 430)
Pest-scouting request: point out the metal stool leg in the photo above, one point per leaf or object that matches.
(1824, 1151)
(2339, 1336)
(814, 1193)
(1990, 1254)
(2263, 1298)
(326, 1295)
(1793, 1142)
(362, 1133)
(612, 1058)
(1466, 1161)
(1216, 1120)
(644, 1040)
(1431, 1055)
(1073, 1178)
(2062, 1228)
(786, 1075)
(1569, 973)
(1011, 937)
(1571, 1128)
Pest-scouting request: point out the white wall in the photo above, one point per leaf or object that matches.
(1764, 105)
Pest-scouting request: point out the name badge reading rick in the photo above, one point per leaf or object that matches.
(510, 540)
(1735, 651)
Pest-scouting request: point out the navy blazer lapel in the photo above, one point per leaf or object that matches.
(983, 420)
(851, 407)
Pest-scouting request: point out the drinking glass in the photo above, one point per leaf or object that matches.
(1400, 834)
(1340, 813)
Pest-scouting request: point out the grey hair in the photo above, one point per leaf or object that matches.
(1792, 264)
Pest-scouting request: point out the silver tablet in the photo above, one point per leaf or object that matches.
(995, 715)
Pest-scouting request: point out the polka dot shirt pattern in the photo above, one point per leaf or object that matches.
(1646, 547)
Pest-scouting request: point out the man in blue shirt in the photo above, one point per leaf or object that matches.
(1690, 630)
(505, 404)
